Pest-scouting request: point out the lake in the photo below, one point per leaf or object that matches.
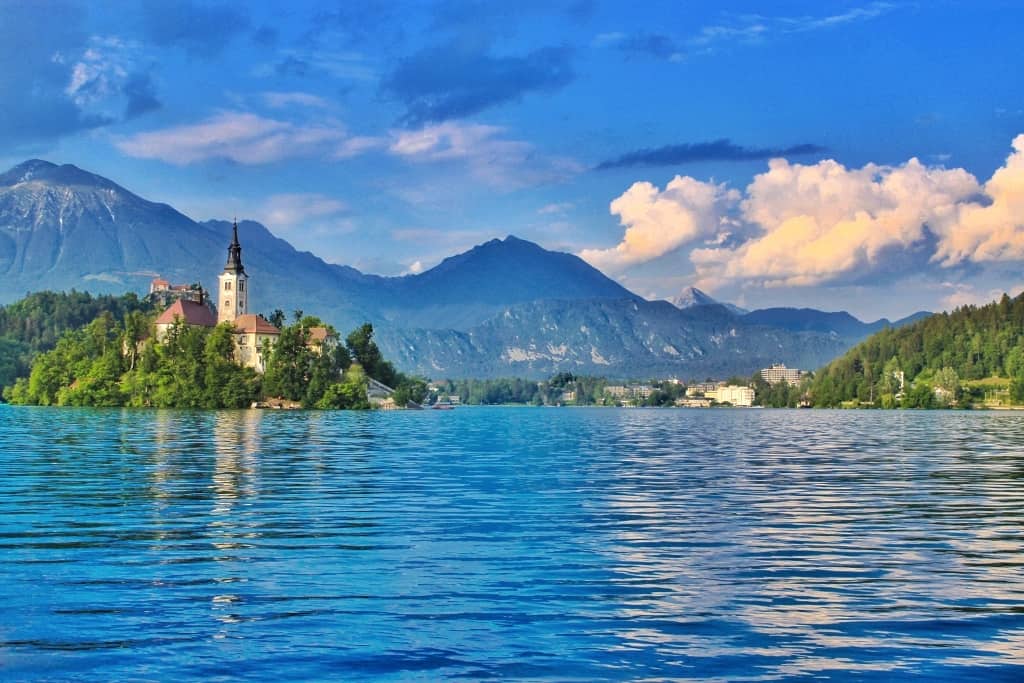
(516, 543)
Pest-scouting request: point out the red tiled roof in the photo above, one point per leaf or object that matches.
(190, 312)
(319, 334)
(252, 323)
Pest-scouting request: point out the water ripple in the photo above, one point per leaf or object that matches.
(511, 543)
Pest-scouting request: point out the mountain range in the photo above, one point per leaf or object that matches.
(506, 307)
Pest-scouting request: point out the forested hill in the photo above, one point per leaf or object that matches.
(35, 323)
(936, 355)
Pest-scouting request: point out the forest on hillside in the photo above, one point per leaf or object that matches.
(936, 362)
(33, 324)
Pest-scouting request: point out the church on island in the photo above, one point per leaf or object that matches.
(254, 334)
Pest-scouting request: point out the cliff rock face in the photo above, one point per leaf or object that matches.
(506, 307)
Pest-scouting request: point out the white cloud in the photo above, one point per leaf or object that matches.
(452, 140)
(823, 221)
(804, 225)
(359, 144)
(100, 76)
(964, 294)
(288, 210)
(658, 222)
(280, 100)
(753, 28)
(99, 72)
(491, 158)
(415, 268)
(994, 230)
(556, 208)
(242, 137)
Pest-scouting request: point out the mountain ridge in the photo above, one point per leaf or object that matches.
(62, 227)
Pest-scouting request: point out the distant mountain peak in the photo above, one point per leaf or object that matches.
(691, 296)
(40, 170)
(514, 270)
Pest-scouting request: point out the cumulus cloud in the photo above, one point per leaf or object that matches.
(992, 230)
(241, 137)
(660, 221)
(802, 225)
(823, 221)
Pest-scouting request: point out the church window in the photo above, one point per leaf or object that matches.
(227, 303)
(227, 286)
(241, 285)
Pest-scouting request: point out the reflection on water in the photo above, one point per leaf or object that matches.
(523, 544)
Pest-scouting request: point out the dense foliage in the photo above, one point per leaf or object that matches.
(108, 364)
(35, 323)
(112, 362)
(931, 363)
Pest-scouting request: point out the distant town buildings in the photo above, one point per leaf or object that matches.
(778, 373)
(632, 392)
(701, 388)
(693, 402)
(737, 396)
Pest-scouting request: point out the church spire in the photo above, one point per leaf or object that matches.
(234, 264)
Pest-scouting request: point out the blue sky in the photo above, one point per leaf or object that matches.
(638, 135)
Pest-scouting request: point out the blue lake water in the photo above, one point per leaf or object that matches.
(525, 544)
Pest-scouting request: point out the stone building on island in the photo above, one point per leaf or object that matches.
(194, 313)
(254, 334)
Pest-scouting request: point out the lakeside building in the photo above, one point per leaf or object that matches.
(617, 391)
(688, 402)
(253, 339)
(737, 396)
(702, 388)
(779, 373)
(192, 313)
(254, 334)
(631, 392)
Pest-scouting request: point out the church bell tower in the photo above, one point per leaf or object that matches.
(233, 298)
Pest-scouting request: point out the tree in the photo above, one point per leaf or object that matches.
(348, 394)
(288, 366)
(410, 389)
(277, 318)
